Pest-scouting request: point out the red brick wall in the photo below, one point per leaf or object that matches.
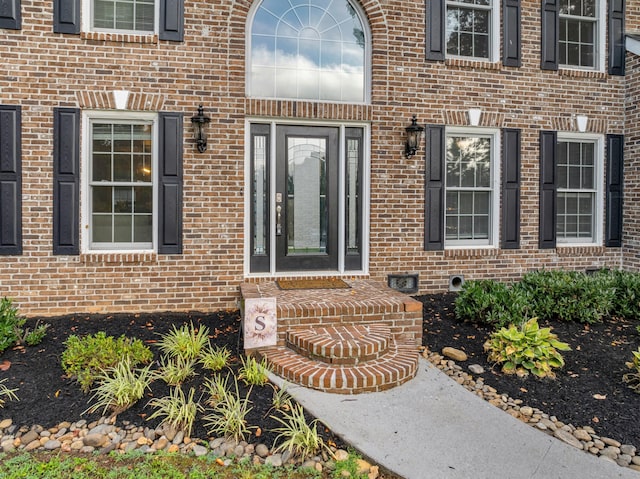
(41, 70)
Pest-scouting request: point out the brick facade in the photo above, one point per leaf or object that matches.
(41, 70)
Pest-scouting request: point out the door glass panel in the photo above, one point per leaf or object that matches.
(259, 194)
(351, 183)
(306, 195)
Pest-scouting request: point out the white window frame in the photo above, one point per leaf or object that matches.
(89, 117)
(598, 214)
(367, 56)
(494, 204)
(87, 20)
(366, 200)
(494, 31)
(600, 38)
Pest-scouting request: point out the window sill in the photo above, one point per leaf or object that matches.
(472, 63)
(575, 73)
(572, 250)
(119, 37)
(119, 258)
(471, 252)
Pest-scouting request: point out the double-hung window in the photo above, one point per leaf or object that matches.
(123, 15)
(120, 187)
(578, 174)
(579, 33)
(470, 196)
(470, 28)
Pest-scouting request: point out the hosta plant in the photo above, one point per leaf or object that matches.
(177, 410)
(254, 372)
(296, 435)
(7, 393)
(185, 341)
(526, 349)
(120, 387)
(633, 378)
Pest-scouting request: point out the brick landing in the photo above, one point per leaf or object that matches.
(346, 341)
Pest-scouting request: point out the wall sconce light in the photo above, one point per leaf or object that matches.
(474, 116)
(581, 122)
(200, 123)
(414, 136)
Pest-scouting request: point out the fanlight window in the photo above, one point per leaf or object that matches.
(307, 49)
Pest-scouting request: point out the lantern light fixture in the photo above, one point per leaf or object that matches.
(200, 123)
(414, 137)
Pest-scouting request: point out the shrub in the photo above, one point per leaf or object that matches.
(298, 436)
(254, 372)
(633, 378)
(569, 295)
(228, 416)
(214, 358)
(526, 349)
(121, 387)
(84, 358)
(32, 337)
(5, 392)
(10, 324)
(185, 342)
(626, 302)
(179, 411)
(492, 302)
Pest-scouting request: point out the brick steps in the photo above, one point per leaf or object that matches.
(344, 359)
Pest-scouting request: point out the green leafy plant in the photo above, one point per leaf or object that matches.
(492, 302)
(228, 417)
(5, 392)
(254, 372)
(10, 324)
(297, 435)
(120, 387)
(176, 370)
(84, 358)
(185, 342)
(350, 466)
(214, 358)
(32, 337)
(179, 411)
(626, 302)
(526, 349)
(281, 398)
(633, 378)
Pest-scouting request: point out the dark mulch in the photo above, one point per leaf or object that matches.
(48, 397)
(594, 368)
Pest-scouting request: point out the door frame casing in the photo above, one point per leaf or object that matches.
(366, 150)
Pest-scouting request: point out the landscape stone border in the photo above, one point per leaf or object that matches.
(584, 437)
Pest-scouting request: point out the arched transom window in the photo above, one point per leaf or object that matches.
(308, 49)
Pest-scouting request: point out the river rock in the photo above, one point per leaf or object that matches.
(95, 439)
(455, 354)
(567, 437)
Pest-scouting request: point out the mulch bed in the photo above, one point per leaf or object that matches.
(594, 368)
(588, 391)
(47, 396)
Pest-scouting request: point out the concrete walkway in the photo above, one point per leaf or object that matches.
(432, 428)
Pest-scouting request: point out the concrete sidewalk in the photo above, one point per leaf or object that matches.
(432, 428)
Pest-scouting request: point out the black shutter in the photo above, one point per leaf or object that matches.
(616, 37)
(510, 188)
(615, 162)
(66, 16)
(171, 20)
(66, 181)
(511, 35)
(10, 15)
(10, 181)
(170, 184)
(550, 50)
(548, 188)
(434, 188)
(436, 16)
